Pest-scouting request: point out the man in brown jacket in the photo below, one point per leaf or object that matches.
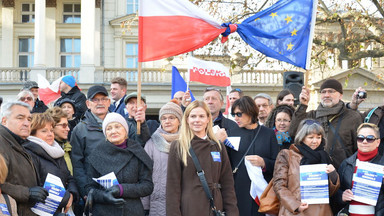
(22, 180)
(339, 122)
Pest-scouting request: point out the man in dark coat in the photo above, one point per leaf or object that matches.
(118, 94)
(339, 122)
(39, 106)
(70, 90)
(215, 100)
(22, 180)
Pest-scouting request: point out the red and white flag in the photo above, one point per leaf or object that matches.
(208, 72)
(48, 92)
(173, 27)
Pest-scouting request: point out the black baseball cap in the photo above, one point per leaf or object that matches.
(96, 89)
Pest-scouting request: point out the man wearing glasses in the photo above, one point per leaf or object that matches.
(88, 134)
(339, 122)
(39, 106)
(215, 100)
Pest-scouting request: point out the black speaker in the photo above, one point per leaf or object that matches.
(294, 81)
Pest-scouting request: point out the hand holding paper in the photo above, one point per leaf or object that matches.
(347, 195)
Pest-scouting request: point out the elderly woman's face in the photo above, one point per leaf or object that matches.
(116, 133)
(68, 109)
(367, 145)
(169, 123)
(282, 121)
(312, 140)
(46, 134)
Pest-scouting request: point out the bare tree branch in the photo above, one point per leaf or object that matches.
(378, 6)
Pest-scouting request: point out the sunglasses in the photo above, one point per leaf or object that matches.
(311, 122)
(238, 114)
(64, 125)
(369, 138)
(26, 98)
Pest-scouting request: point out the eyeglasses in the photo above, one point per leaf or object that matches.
(170, 118)
(64, 125)
(97, 100)
(330, 91)
(238, 114)
(369, 138)
(212, 89)
(26, 98)
(282, 121)
(311, 122)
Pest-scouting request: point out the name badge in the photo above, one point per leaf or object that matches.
(216, 156)
(4, 209)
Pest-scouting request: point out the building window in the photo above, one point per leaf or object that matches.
(131, 55)
(70, 52)
(72, 13)
(26, 50)
(132, 6)
(28, 13)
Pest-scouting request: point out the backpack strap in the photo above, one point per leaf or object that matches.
(8, 203)
(366, 119)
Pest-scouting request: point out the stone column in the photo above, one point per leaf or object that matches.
(40, 40)
(51, 51)
(87, 68)
(7, 37)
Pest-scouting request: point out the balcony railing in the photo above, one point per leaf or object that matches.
(149, 75)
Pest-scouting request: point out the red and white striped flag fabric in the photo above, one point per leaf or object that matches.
(173, 27)
(48, 92)
(208, 72)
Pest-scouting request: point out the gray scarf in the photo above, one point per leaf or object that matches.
(160, 142)
(323, 114)
(54, 150)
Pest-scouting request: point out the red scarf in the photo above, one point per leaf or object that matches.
(366, 156)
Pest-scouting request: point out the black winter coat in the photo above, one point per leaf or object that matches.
(46, 164)
(76, 95)
(266, 147)
(39, 107)
(133, 169)
(346, 171)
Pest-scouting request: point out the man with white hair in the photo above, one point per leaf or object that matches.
(264, 103)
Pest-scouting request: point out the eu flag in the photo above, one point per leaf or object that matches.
(284, 31)
(178, 83)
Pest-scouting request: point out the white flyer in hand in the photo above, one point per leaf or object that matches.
(56, 191)
(367, 182)
(314, 184)
(108, 180)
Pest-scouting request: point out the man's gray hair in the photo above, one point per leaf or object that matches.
(306, 127)
(23, 93)
(265, 96)
(6, 107)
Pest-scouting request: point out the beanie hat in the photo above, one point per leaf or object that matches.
(171, 107)
(333, 84)
(69, 80)
(114, 117)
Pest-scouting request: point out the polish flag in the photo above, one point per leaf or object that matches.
(48, 92)
(208, 72)
(172, 27)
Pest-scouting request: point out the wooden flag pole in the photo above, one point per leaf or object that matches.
(139, 95)
(306, 78)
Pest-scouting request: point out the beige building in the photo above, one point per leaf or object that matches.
(96, 40)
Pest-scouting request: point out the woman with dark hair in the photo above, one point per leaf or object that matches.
(285, 97)
(258, 145)
(68, 106)
(48, 157)
(308, 149)
(280, 120)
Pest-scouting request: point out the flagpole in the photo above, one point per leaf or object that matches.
(139, 94)
(306, 78)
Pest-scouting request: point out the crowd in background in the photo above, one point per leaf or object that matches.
(187, 162)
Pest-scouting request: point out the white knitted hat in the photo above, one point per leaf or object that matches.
(114, 117)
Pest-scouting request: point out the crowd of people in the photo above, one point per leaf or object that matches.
(192, 161)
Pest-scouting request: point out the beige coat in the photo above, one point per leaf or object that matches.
(287, 185)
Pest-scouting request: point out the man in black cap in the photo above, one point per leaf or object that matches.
(339, 122)
(39, 106)
(88, 134)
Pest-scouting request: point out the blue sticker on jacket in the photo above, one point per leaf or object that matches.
(216, 156)
(4, 209)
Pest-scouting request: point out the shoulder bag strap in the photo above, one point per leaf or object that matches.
(8, 203)
(336, 135)
(366, 119)
(202, 178)
(246, 152)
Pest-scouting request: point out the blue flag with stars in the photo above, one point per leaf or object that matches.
(284, 31)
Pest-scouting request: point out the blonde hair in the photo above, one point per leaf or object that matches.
(40, 120)
(374, 127)
(186, 134)
(3, 169)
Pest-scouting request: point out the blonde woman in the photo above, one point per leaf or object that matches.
(185, 193)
